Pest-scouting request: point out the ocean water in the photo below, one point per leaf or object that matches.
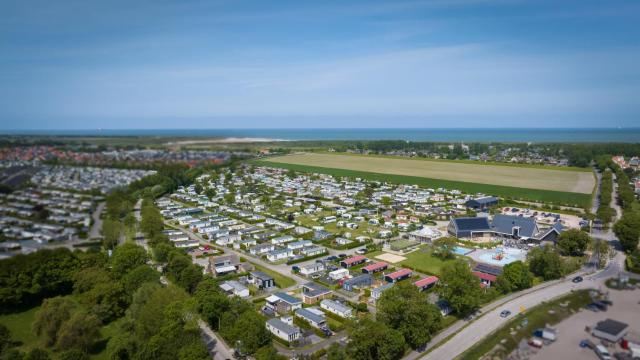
(536, 135)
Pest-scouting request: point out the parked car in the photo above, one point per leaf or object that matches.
(295, 268)
(361, 251)
(535, 342)
(602, 352)
(342, 256)
(577, 279)
(505, 313)
(586, 343)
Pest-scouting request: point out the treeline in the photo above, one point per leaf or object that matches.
(605, 212)
(627, 229)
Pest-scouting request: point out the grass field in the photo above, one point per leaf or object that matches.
(524, 177)
(422, 260)
(503, 341)
(19, 325)
(538, 194)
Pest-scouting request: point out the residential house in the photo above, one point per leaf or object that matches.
(312, 268)
(312, 293)
(284, 330)
(336, 308)
(314, 316)
(398, 275)
(279, 254)
(261, 280)
(426, 283)
(377, 292)
(233, 287)
(358, 282)
(353, 261)
(375, 267)
(283, 303)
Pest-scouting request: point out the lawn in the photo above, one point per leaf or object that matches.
(503, 341)
(422, 260)
(19, 325)
(281, 280)
(494, 183)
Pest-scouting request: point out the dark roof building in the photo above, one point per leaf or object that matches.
(466, 227)
(359, 281)
(551, 234)
(482, 203)
(488, 269)
(610, 330)
(517, 227)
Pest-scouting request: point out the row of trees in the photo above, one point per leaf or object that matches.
(605, 212)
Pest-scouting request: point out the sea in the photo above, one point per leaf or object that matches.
(533, 135)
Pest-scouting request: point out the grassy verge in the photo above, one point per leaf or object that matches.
(548, 196)
(506, 339)
(281, 280)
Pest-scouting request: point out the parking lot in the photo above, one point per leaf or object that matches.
(545, 217)
(572, 330)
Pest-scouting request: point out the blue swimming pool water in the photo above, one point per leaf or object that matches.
(462, 250)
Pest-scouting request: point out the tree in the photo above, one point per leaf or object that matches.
(126, 257)
(212, 303)
(545, 262)
(111, 231)
(138, 276)
(336, 352)
(573, 242)
(460, 287)
(268, 353)
(515, 276)
(37, 354)
(87, 279)
(73, 354)
(405, 308)
(49, 319)
(183, 271)
(106, 300)
(627, 230)
(249, 332)
(444, 247)
(374, 340)
(79, 332)
(5, 339)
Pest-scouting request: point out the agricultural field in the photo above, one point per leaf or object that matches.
(532, 183)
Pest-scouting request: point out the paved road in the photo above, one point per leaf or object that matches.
(215, 344)
(97, 221)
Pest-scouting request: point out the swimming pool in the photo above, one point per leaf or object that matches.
(509, 255)
(460, 250)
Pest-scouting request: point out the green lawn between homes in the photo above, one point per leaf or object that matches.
(421, 260)
(548, 196)
(19, 325)
(281, 280)
(537, 317)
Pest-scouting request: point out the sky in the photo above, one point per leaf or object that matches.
(159, 64)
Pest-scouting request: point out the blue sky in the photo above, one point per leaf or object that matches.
(233, 64)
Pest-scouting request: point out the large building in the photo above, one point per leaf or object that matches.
(469, 227)
(482, 203)
(504, 227)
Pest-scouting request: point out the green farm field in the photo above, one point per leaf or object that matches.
(536, 184)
